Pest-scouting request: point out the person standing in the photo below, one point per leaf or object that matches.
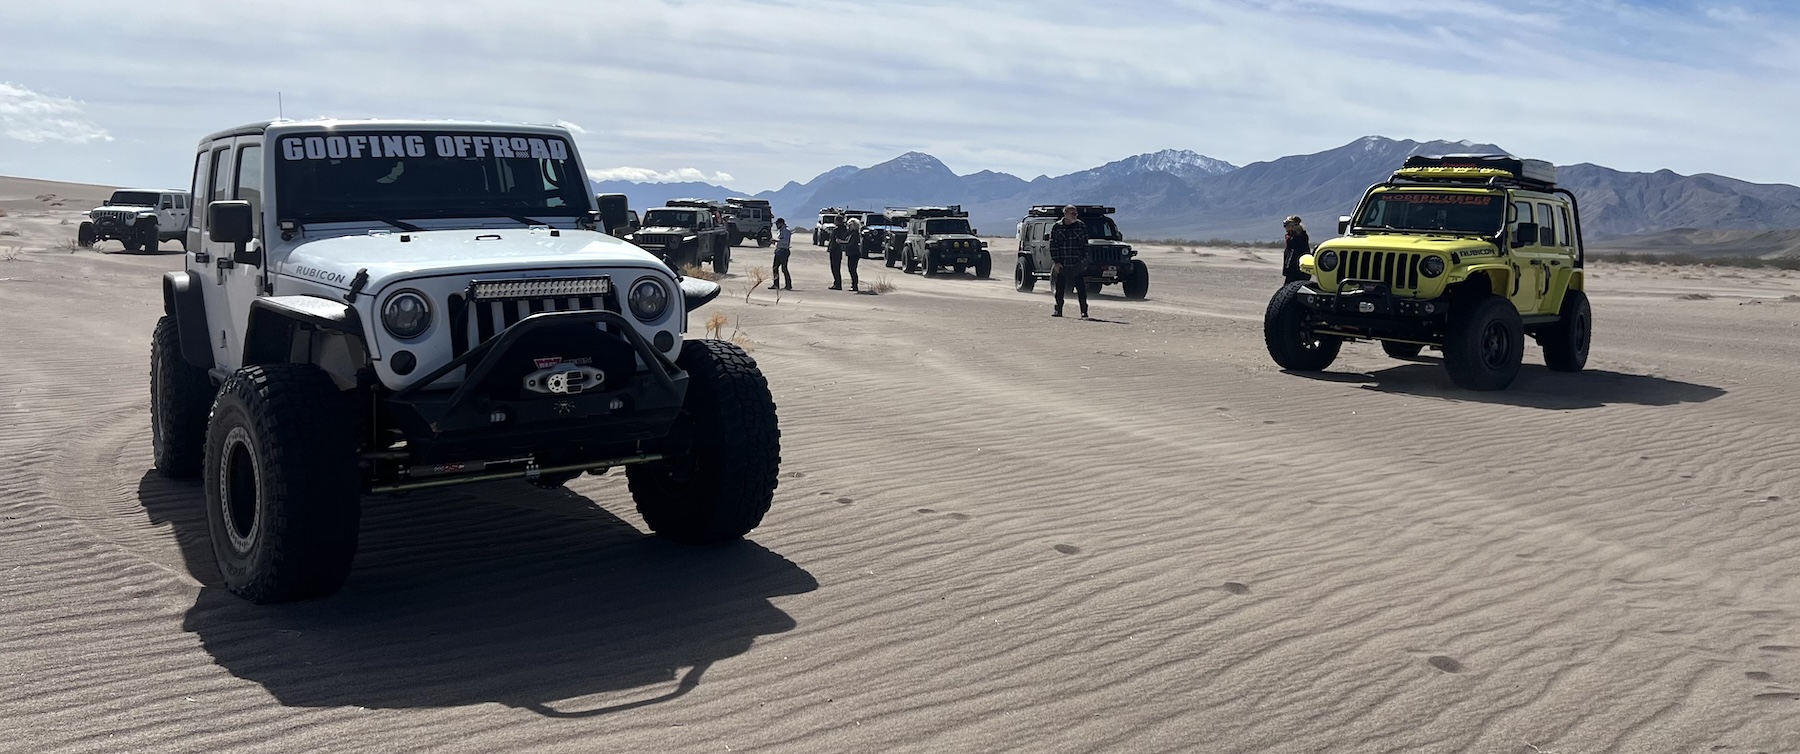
(841, 242)
(784, 248)
(1298, 245)
(1068, 259)
(854, 252)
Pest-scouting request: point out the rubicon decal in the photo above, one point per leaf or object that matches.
(317, 274)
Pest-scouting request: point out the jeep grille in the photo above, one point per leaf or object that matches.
(1398, 270)
(1106, 255)
(656, 239)
(113, 215)
(472, 322)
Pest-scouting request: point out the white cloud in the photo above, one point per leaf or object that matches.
(646, 175)
(29, 116)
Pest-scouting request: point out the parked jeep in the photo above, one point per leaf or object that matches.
(1109, 258)
(939, 238)
(1467, 254)
(753, 219)
(877, 228)
(386, 306)
(137, 218)
(685, 235)
(828, 221)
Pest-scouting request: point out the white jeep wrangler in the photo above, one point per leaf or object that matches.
(384, 306)
(137, 218)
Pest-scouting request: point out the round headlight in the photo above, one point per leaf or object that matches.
(1327, 261)
(406, 314)
(1431, 266)
(648, 299)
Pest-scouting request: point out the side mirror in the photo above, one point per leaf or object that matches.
(974, 232)
(106, 202)
(233, 222)
(1525, 235)
(1343, 224)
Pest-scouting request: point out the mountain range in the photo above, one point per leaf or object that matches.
(1183, 194)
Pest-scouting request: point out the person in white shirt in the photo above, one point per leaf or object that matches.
(784, 247)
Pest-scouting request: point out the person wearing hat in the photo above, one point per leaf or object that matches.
(1297, 245)
(784, 248)
(1068, 259)
(843, 242)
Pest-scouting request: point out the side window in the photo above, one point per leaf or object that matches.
(249, 180)
(180, 201)
(1524, 215)
(1549, 221)
(221, 179)
(199, 187)
(1567, 235)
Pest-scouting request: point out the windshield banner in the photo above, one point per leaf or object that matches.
(384, 145)
(1412, 197)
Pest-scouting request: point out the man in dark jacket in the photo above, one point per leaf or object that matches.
(844, 240)
(1298, 245)
(1068, 259)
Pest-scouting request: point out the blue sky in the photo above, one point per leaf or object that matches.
(752, 93)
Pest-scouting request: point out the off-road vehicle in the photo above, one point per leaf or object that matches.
(1109, 258)
(829, 218)
(384, 306)
(751, 218)
(137, 218)
(939, 238)
(685, 233)
(877, 228)
(1467, 254)
(893, 237)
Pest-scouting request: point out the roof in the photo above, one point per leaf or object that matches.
(261, 127)
(154, 190)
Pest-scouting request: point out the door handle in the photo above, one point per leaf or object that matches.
(201, 257)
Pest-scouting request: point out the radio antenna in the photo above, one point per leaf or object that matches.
(279, 115)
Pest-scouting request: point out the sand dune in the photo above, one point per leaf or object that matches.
(995, 531)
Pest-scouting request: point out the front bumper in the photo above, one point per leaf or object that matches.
(471, 424)
(946, 257)
(1370, 309)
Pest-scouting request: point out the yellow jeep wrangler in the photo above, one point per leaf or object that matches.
(1463, 253)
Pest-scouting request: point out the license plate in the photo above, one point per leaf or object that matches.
(1110, 273)
(962, 260)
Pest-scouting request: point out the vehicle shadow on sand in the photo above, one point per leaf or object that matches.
(1535, 387)
(492, 593)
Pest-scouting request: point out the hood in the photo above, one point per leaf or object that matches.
(952, 237)
(124, 208)
(664, 229)
(1410, 243)
(335, 261)
(1106, 242)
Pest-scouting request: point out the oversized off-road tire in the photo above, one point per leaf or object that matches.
(1290, 343)
(180, 396)
(1566, 342)
(890, 261)
(1484, 343)
(1401, 350)
(1137, 280)
(85, 235)
(721, 261)
(763, 239)
(984, 267)
(1024, 275)
(721, 487)
(930, 264)
(282, 483)
(911, 263)
(149, 235)
(130, 240)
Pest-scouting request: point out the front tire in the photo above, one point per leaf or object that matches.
(721, 261)
(931, 263)
(1137, 281)
(984, 267)
(1485, 344)
(150, 236)
(911, 263)
(1566, 342)
(85, 235)
(721, 488)
(1024, 275)
(282, 483)
(180, 396)
(1290, 343)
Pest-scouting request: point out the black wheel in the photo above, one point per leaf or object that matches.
(281, 483)
(553, 481)
(148, 233)
(130, 241)
(1401, 350)
(911, 263)
(84, 235)
(984, 267)
(719, 490)
(763, 239)
(1024, 276)
(180, 396)
(1137, 280)
(1566, 342)
(1290, 343)
(930, 265)
(721, 261)
(1484, 344)
(1093, 289)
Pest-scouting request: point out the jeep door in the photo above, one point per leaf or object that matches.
(237, 173)
(1529, 257)
(1040, 246)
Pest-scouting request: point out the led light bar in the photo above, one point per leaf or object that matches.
(505, 290)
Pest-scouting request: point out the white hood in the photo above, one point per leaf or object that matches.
(389, 256)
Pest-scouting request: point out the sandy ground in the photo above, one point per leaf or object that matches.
(995, 531)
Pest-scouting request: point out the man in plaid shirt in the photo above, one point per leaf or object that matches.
(1068, 257)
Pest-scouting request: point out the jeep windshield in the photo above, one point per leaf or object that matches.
(1434, 212)
(671, 218)
(133, 198)
(947, 227)
(1102, 229)
(345, 175)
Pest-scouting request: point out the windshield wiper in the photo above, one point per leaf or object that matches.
(357, 213)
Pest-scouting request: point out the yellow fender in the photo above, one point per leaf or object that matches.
(1500, 277)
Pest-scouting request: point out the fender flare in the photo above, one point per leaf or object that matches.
(184, 300)
(1500, 278)
(696, 292)
(275, 320)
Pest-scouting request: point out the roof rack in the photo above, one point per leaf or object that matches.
(1482, 169)
(704, 203)
(1055, 210)
(953, 210)
(746, 200)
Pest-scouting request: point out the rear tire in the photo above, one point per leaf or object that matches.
(763, 239)
(1401, 350)
(1290, 344)
(84, 235)
(1137, 281)
(910, 263)
(1485, 344)
(282, 486)
(1024, 275)
(1566, 342)
(721, 261)
(181, 394)
(984, 267)
(723, 486)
